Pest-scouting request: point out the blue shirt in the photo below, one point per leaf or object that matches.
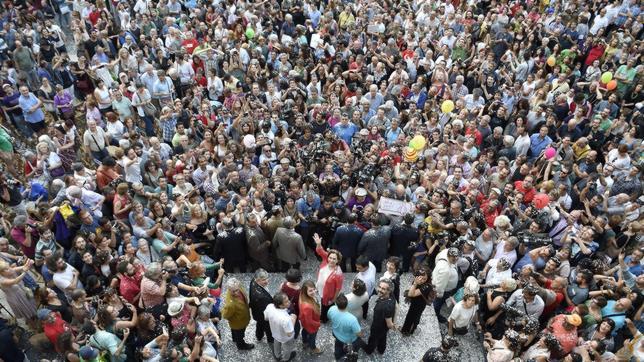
(538, 144)
(305, 209)
(345, 132)
(618, 317)
(345, 325)
(634, 269)
(392, 135)
(26, 103)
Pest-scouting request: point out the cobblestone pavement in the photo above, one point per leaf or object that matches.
(398, 348)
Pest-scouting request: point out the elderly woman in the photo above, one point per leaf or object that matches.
(22, 304)
(237, 312)
(64, 140)
(49, 160)
(491, 312)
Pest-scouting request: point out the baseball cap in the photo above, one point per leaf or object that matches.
(43, 313)
(88, 353)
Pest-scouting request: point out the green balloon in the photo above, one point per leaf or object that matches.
(250, 33)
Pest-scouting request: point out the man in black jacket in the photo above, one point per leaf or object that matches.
(230, 244)
(346, 240)
(374, 243)
(259, 298)
(402, 235)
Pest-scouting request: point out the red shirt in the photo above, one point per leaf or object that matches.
(478, 137)
(567, 339)
(55, 329)
(595, 53)
(309, 317)
(190, 45)
(528, 195)
(130, 286)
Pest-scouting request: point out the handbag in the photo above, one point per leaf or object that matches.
(149, 110)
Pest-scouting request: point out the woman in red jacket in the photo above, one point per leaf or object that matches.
(330, 276)
(309, 316)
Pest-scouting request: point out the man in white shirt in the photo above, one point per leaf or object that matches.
(445, 278)
(366, 273)
(65, 276)
(282, 327)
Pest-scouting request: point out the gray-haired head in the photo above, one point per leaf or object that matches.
(233, 284)
(261, 274)
(19, 221)
(74, 191)
(153, 272)
(289, 223)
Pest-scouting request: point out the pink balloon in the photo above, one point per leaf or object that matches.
(550, 153)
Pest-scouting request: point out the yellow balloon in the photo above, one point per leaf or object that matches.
(447, 106)
(551, 61)
(418, 142)
(606, 77)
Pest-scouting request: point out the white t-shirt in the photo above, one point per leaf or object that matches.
(494, 276)
(281, 323)
(461, 315)
(63, 280)
(133, 171)
(355, 304)
(369, 278)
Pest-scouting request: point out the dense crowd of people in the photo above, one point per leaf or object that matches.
(486, 153)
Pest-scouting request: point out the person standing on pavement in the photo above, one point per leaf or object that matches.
(260, 298)
(375, 242)
(330, 276)
(289, 246)
(282, 327)
(309, 316)
(402, 235)
(346, 328)
(383, 318)
(366, 273)
(237, 312)
(346, 240)
(445, 279)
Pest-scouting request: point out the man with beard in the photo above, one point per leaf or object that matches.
(259, 247)
(383, 314)
(130, 277)
(65, 276)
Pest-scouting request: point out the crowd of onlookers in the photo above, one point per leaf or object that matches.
(488, 153)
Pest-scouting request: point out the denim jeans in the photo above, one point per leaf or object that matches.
(339, 347)
(308, 338)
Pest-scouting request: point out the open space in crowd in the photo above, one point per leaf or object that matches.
(305, 180)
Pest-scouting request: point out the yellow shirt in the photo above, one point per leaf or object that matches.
(580, 152)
